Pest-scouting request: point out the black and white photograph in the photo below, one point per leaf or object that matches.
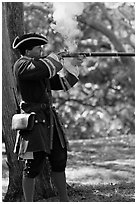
(68, 101)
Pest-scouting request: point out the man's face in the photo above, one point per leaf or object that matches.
(35, 52)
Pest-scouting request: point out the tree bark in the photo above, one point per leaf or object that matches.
(12, 25)
(9, 108)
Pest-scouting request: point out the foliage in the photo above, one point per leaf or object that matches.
(102, 103)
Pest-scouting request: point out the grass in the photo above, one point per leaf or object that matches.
(102, 160)
(98, 170)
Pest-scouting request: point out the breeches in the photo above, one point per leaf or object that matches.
(57, 159)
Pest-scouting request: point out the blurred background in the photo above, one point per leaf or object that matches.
(102, 103)
(98, 112)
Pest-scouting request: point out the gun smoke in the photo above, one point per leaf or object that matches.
(64, 15)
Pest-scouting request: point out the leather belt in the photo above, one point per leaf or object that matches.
(28, 107)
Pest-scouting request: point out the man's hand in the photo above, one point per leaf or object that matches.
(60, 54)
(71, 64)
(78, 60)
(69, 67)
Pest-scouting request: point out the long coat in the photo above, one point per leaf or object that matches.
(35, 79)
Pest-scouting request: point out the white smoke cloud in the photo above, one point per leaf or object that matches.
(66, 23)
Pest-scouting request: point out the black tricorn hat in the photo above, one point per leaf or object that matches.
(29, 40)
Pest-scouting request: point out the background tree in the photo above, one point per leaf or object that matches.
(10, 28)
(12, 25)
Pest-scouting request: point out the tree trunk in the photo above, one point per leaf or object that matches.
(12, 25)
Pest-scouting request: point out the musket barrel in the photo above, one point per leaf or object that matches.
(99, 54)
(96, 54)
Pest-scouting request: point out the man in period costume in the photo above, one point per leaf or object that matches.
(36, 77)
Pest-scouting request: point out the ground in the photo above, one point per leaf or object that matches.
(98, 170)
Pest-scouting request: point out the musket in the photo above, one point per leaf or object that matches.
(95, 54)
